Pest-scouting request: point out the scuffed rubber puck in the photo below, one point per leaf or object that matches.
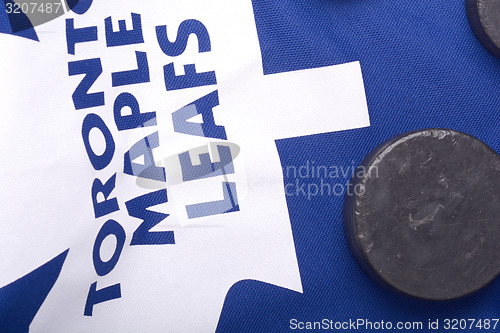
(484, 19)
(424, 216)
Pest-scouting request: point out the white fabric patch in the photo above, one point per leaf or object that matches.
(46, 175)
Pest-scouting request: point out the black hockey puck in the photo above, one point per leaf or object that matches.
(423, 216)
(484, 19)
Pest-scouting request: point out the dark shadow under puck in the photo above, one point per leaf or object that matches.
(423, 216)
(484, 19)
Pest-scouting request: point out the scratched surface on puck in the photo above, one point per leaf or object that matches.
(424, 218)
(484, 19)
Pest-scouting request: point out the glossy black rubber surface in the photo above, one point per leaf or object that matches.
(424, 219)
(484, 19)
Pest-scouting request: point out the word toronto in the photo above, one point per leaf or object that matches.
(137, 207)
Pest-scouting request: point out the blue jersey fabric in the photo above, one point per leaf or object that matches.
(422, 68)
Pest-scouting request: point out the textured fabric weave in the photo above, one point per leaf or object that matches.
(422, 68)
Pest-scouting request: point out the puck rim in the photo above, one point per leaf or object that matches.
(477, 28)
(350, 228)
